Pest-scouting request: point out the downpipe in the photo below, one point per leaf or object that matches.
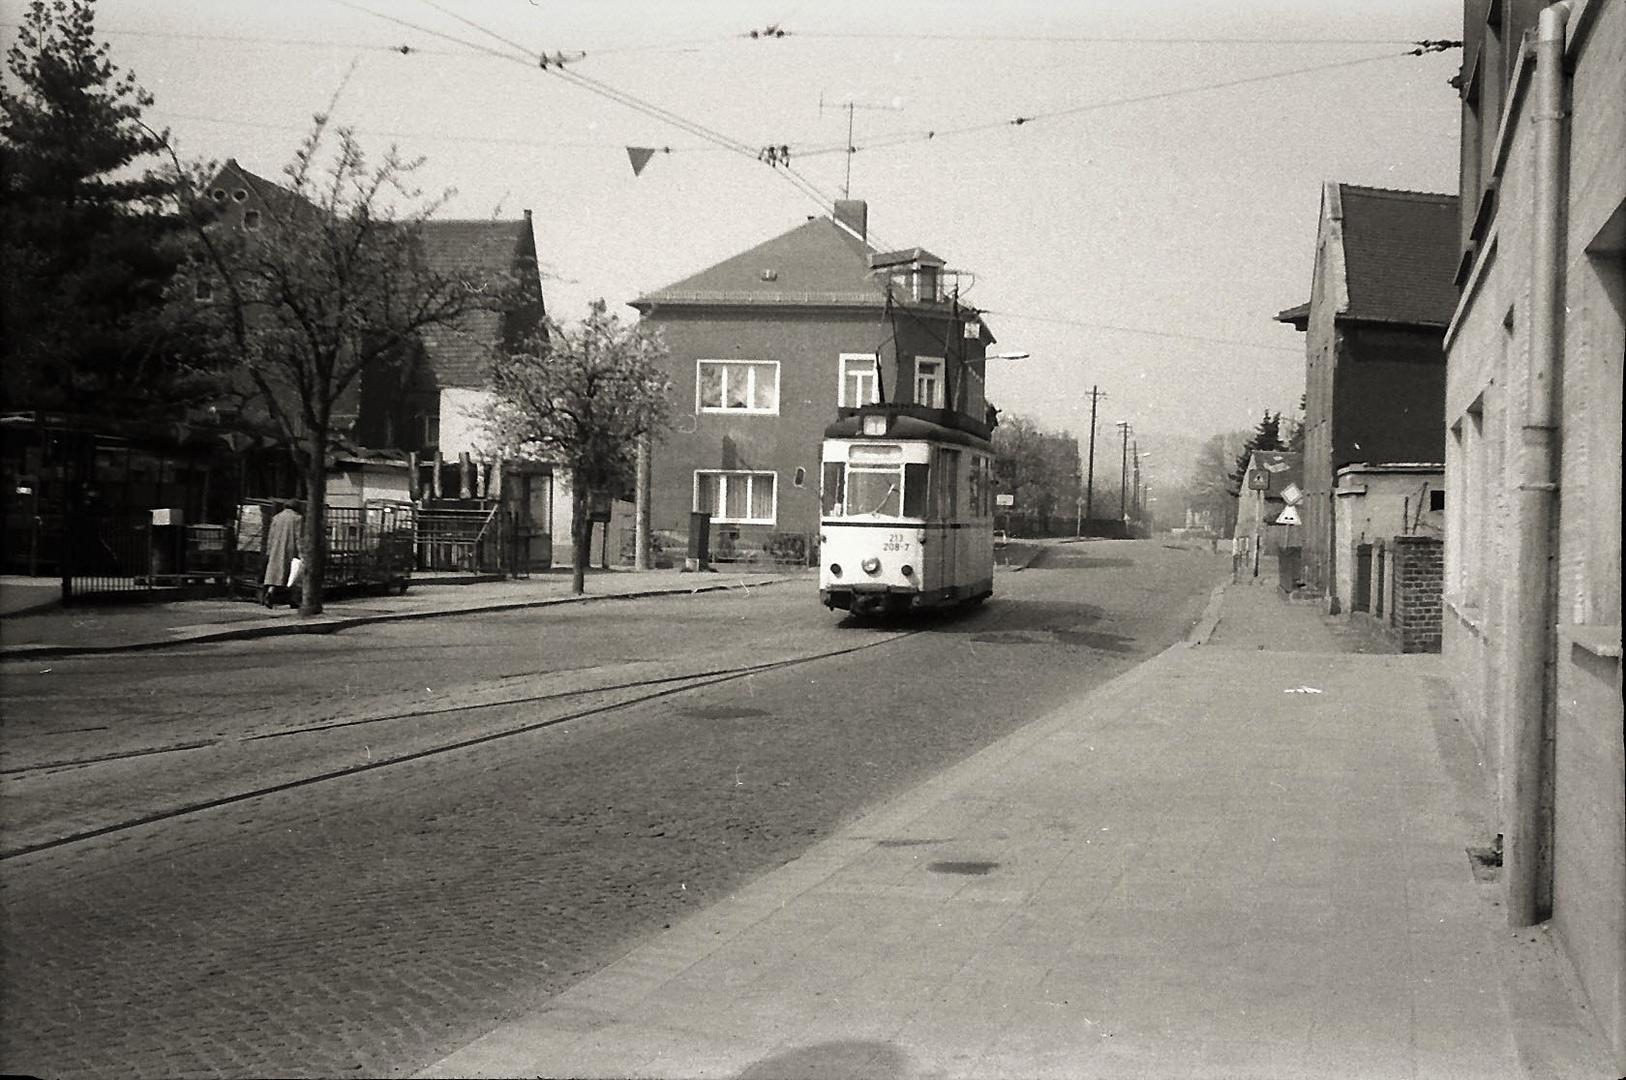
(1532, 645)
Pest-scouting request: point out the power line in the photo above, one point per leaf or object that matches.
(1141, 330)
(1018, 121)
(1092, 39)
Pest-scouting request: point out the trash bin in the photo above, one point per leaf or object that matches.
(699, 554)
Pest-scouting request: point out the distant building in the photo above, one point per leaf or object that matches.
(1533, 465)
(1262, 504)
(769, 346)
(429, 408)
(1381, 297)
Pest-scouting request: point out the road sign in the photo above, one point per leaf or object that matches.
(1004, 500)
(1258, 480)
(1290, 516)
(1291, 494)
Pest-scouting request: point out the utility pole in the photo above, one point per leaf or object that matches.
(1123, 474)
(640, 517)
(1136, 451)
(1089, 484)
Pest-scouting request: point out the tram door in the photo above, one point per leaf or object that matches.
(946, 478)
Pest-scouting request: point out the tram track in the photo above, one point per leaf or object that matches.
(690, 681)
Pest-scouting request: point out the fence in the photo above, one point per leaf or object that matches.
(473, 541)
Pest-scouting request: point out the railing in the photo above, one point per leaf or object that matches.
(472, 540)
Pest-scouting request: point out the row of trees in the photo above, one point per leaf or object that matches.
(123, 297)
(1041, 470)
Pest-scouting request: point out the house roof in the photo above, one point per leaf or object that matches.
(1401, 250)
(818, 263)
(1282, 466)
(483, 250)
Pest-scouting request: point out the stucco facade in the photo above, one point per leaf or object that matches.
(1532, 623)
(765, 350)
(1374, 504)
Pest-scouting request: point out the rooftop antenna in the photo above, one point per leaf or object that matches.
(851, 106)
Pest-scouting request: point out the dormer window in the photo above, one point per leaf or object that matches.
(240, 194)
(925, 283)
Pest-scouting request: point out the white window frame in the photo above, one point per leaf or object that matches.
(728, 475)
(874, 362)
(751, 367)
(930, 369)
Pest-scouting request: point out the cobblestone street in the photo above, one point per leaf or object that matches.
(370, 923)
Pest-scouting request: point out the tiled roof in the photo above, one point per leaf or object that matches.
(1400, 255)
(816, 263)
(480, 250)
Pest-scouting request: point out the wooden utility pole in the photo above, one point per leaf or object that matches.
(640, 516)
(1089, 483)
(1123, 474)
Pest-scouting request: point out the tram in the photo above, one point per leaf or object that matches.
(907, 521)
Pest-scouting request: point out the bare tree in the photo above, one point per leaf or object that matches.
(333, 282)
(582, 397)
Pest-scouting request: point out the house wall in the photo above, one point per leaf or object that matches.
(1373, 506)
(1488, 350)
(1323, 340)
(1389, 396)
(807, 345)
(462, 427)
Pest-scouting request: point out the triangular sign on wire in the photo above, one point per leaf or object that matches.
(639, 156)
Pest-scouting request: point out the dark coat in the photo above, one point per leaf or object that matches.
(283, 544)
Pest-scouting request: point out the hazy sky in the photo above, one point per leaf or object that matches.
(1104, 241)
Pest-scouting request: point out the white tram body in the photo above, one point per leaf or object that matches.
(907, 520)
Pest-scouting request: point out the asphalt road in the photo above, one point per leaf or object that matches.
(350, 855)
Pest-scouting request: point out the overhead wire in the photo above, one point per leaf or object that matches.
(1073, 110)
(1084, 324)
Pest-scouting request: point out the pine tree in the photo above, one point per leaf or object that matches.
(1267, 435)
(86, 248)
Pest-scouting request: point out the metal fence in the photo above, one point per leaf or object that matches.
(473, 541)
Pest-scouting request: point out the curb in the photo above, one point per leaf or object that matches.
(335, 624)
(1209, 620)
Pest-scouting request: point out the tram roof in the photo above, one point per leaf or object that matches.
(911, 422)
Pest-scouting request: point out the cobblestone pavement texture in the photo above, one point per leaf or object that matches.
(369, 925)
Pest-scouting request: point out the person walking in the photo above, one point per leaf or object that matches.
(283, 552)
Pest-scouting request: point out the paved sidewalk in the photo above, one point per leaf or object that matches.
(1244, 858)
(34, 625)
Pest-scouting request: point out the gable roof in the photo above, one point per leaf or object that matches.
(483, 250)
(1401, 250)
(817, 263)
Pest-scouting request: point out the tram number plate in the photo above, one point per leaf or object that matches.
(895, 542)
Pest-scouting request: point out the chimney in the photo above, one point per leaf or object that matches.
(853, 215)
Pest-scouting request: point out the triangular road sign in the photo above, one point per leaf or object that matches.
(1290, 516)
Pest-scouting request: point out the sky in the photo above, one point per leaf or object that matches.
(1137, 232)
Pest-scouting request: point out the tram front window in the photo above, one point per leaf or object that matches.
(874, 491)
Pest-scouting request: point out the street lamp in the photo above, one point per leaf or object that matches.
(1007, 356)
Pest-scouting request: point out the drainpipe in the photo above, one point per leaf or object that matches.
(1533, 613)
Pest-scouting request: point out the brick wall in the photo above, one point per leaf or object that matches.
(1416, 567)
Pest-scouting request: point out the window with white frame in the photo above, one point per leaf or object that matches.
(736, 498)
(929, 381)
(749, 386)
(859, 383)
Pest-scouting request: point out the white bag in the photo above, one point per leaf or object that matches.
(295, 566)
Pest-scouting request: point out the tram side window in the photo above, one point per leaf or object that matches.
(948, 484)
(834, 488)
(975, 479)
(917, 490)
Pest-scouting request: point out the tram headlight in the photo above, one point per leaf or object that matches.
(872, 565)
(835, 569)
(908, 571)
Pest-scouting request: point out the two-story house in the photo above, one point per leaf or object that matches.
(768, 346)
(1374, 404)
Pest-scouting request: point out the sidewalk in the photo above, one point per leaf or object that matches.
(34, 625)
(1244, 858)
(32, 629)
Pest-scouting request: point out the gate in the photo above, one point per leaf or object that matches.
(1362, 600)
(473, 540)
